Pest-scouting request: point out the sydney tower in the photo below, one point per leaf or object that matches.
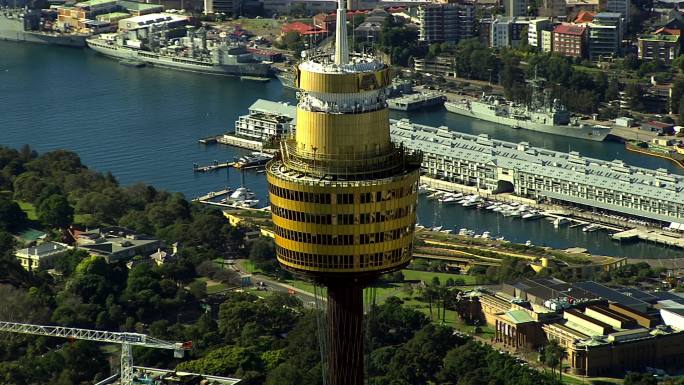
(343, 196)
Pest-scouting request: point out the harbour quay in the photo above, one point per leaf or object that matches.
(545, 176)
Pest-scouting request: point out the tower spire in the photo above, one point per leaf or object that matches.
(341, 44)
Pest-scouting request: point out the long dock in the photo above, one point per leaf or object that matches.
(669, 239)
(209, 139)
(212, 167)
(212, 195)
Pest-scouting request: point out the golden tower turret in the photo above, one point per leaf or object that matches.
(343, 196)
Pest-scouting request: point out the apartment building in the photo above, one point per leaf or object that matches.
(515, 8)
(534, 31)
(605, 34)
(451, 22)
(660, 47)
(570, 40)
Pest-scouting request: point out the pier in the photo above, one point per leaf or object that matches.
(661, 237)
(212, 167)
(209, 139)
(211, 195)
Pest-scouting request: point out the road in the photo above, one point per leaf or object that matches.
(307, 298)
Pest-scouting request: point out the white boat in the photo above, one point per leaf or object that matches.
(435, 195)
(486, 235)
(529, 243)
(242, 197)
(466, 232)
(560, 221)
(469, 203)
(437, 228)
(247, 203)
(424, 189)
(448, 231)
(449, 200)
(492, 206)
(532, 215)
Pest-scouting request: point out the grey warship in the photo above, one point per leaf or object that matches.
(193, 53)
(542, 114)
(24, 25)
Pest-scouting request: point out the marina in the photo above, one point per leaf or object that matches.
(568, 179)
(162, 158)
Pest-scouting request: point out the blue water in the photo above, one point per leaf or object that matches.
(142, 124)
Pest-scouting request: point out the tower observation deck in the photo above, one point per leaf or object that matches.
(343, 196)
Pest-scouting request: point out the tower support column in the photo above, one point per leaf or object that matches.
(345, 334)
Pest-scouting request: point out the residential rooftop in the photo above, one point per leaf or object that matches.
(659, 37)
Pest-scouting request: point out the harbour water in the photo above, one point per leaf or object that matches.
(142, 124)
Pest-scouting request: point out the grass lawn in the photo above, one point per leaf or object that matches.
(450, 318)
(29, 209)
(214, 287)
(249, 267)
(413, 275)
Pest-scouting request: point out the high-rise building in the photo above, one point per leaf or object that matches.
(446, 22)
(605, 34)
(500, 32)
(620, 6)
(507, 31)
(534, 31)
(515, 8)
(343, 196)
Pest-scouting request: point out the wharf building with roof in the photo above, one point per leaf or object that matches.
(603, 330)
(546, 176)
(81, 15)
(267, 120)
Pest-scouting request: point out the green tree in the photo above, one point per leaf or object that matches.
(12, 218)
(262, 254)
(552, 355)
(461, 360)
(55, 211)
(419, 360)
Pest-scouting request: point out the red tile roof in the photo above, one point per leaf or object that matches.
(585, 17)
(297, 26)
(570, 29)
(668, 31)
(302, 29)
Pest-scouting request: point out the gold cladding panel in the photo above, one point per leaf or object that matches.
(356, 229)
(338, 83)
(334, 134)
(356, 250)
